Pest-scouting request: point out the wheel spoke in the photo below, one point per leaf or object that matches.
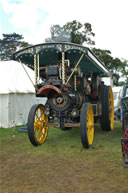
(37, 116)
(37, 133)
(91, 126)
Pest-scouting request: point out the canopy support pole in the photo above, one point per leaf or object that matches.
(38, 64)
(63, 68)
(75, 68)
(26, 73)
(35, 68)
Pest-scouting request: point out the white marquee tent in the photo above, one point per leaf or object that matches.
(17, 94)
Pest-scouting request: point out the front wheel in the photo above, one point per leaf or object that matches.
(87, 125)
(37, 130)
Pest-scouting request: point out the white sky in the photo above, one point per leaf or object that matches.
(33, 18)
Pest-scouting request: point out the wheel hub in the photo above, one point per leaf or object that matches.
(60, 101)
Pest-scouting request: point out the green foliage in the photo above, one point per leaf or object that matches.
(10, 44)
(74, 32)
(118, 68)
(125, 70)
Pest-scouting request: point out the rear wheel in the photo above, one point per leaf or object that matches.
(37, 131)
(107, 117)
(87, 125)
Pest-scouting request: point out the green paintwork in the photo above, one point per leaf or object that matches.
(50, 54)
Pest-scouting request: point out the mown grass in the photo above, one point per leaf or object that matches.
(66, 143)
(61, 164)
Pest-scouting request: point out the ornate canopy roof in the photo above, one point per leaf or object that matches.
(50, 54)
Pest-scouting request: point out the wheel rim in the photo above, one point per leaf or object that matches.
(111, 109)
(40, 130)
(90, 125)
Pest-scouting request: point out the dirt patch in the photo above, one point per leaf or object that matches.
(62, 165)
(22, 173)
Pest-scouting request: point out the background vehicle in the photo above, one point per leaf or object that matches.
(125, 112)
(124, 140)
(118, 107)
(69, 75)
(116, 92)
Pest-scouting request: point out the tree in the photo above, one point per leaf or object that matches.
(74, 32)
(118, 68)
(125, 71)
(79, 33)
(10, 44)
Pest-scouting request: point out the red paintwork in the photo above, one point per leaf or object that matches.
(45, 90)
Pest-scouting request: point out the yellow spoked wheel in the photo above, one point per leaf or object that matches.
(107, 117)
(37, 130)
(87, 125)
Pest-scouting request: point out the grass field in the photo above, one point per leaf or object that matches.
(62, 165)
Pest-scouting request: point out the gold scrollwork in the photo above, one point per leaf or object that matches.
(37, 49)
(71, 47)
(26, 51)
(67, 47)
(59, 47)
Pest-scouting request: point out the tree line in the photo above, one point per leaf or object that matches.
(74, 32)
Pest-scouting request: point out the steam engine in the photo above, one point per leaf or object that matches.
(69, 75)
(65, 100)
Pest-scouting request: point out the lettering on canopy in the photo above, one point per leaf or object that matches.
(61, 47)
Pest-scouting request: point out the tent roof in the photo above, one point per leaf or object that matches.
(13, 78)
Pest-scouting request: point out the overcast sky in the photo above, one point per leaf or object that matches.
(33, 18)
